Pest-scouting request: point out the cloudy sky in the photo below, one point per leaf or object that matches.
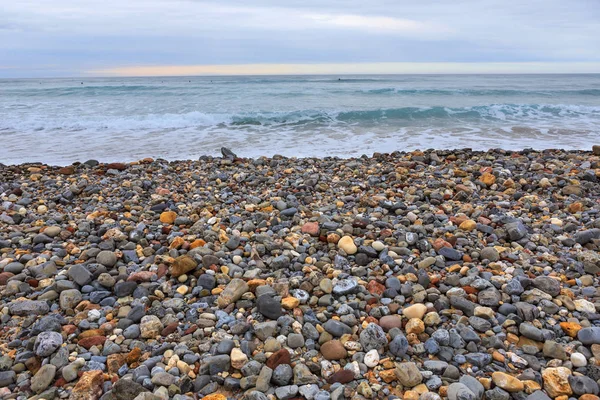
(177, 37)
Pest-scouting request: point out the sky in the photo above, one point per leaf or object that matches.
(64, 38)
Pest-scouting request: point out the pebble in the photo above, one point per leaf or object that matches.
(419, 275)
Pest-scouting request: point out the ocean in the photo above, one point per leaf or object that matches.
(59, 121)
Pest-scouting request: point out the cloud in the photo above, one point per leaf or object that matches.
(379, 24)
(82, 35)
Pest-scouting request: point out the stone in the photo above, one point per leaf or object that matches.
(415, 326)
(43, 378)
(337, 328)
(7, 378)
(107, 258)
(268, 306)
(24, 308)
(333, 350)
(372, 337)
(89, 386)
(232, 292)
(589, 336)
(126, 389)
(490, 254)
(388, 322)
(150, 327)
(80, 275)
(167, 217)
(238, 358)
(408, 374)
(399, 345)
(582, 305)
(70, 298)
(578, 360)
(415, 311)
(346, 243)
(279, 357)
(556, 381)
(282, 374)
(47, 343)
(583, 385)
(311, 228)
(371, 359)
(182, 265)
(507, 382)
(459, 391)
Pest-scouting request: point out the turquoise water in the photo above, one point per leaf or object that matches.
(65, 120)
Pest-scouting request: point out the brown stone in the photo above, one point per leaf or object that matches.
(375, 287)
(468, 225)
(90, 333)
(89, 386)
(570, 328)
(390, 321)
(507, 382)
(114, 362)
(311, 228)
(141, 276)
(488, 179)
(414, 325)
(342, 376)
(279, 357)
(133, 356)
(70, 170)
(388, 375)
(333, 350)
(4, 277)
(556, 381)
(172, 327)
(92, 341)
(183, 265)
(117, 166)
(168, 217)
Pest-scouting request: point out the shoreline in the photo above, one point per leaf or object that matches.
(419, 275)
(397, 153)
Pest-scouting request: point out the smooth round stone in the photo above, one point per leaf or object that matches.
(347, 244)
(578, 360)
(377, 245)
(237, 260)
(371, 358)
(415, 311)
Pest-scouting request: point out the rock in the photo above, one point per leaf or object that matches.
(7, 378)
(238, 358)
(415, 311)
(371, 359)
(268, 306)
(150, 327)
(80, 275)
(337, 328)
(408, 374)
(516, 230)
(47, 343)
(458, 391)
(390, 321)
(89, 386)
(232, 292)
(507, 382)
(589, 336)
(333, 350)
(279, 357)
(70, 298)
(583, 385)
(345, 286)
(548, 285)
(126, 389)
(578, 360)
(311, 228)
(490, 254)
(583, 305)
(182, 265)
(107, 258)
(43, 378)
(399, 345)
(556, 381)
(23, 308)
(346, 243)
(282, 374)
(372, 337)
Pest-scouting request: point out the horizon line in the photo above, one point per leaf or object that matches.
(401, 68)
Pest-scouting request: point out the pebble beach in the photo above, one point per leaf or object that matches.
(423, 275)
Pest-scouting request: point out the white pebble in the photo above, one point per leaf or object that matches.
(371, 358)
(578, 360)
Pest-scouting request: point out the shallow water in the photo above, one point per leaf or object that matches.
(121, 119)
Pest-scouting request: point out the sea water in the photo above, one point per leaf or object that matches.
(60, 121)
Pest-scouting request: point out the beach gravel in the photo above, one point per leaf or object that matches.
(419, 275)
